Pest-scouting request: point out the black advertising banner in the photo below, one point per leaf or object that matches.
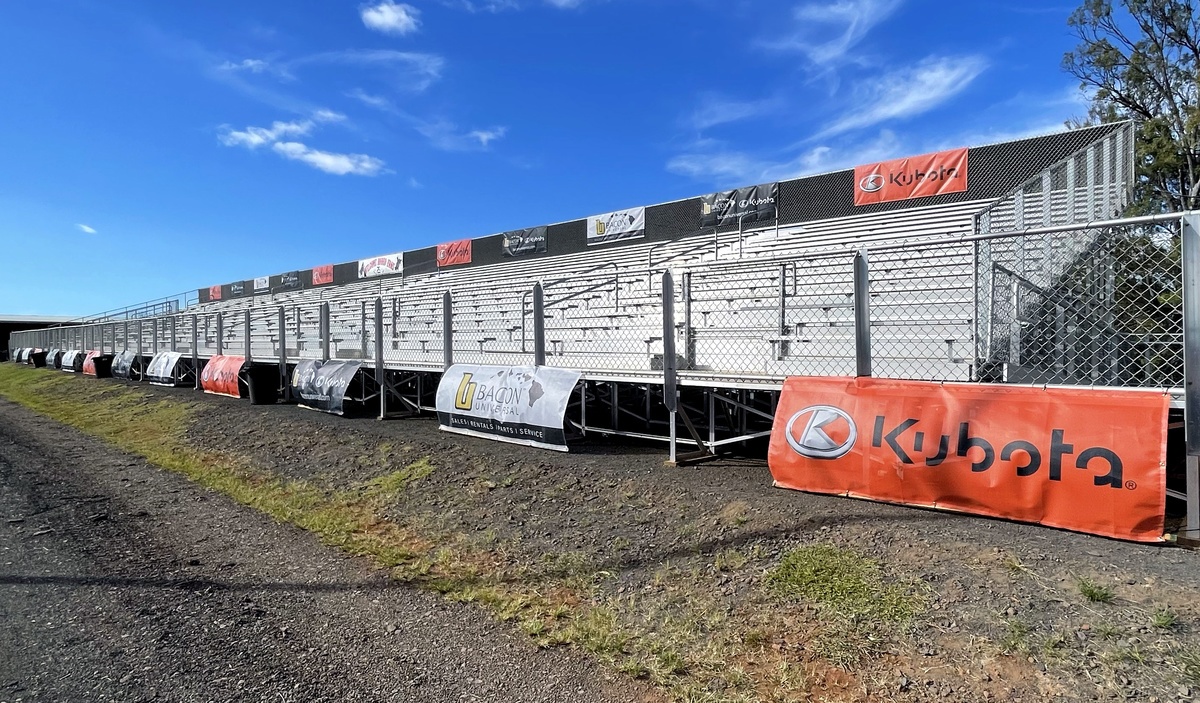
(525, 241)
(289, 280)
(322, 386)
(237, 289)
(749, 204)
(123, 364)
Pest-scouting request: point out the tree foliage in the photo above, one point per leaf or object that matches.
(1140, 60)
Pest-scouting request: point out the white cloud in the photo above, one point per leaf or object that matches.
(254, 137)
(907, 92)
(330, 162)
(826, 32)
(85, 229)
(376, 101)
(564, 4)
(414, 183)
(715, 110)
(391, 18)
(483, 5)
(251, 65)
(327, 161)
(486, 136)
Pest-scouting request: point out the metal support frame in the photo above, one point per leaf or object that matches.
(248, 352)
(862, 315)
(323, 331)
(539, 326)
(447, 331)
(220, 333)
(283, 357)
(196, 350)
(1190, 264)
(380, 371)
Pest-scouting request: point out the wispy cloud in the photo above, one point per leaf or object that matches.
(407, 70)
(414, 183)
(254, 137)
(565, 4)
(391, 18)
(483, 5)
(378, 102)
(330, 162)
(487, 136)
(724, 167)
(716, 110)
(251, 65)
(280, 137)
(826, 32)
(907, 92)
(85, 229)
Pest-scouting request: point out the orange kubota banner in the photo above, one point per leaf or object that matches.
(220, 375)
(89, 363)
(1081, 459)
(911, 177)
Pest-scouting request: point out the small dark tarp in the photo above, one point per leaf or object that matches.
(322, 386)
(161, 371)
(123, 364)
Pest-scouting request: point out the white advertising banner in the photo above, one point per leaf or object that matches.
(518, 404)
(161, 371)
(262, 283)
(386, 265)
(616, 226)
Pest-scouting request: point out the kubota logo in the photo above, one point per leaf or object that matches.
(871, 183)
(828, 432)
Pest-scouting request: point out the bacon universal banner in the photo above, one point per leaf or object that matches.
(518, 404)
(911, 177)
(1081, 459)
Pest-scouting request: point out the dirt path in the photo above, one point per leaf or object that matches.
(119, 581)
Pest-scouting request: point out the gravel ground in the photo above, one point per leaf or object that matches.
(122, 582)
(1004, 616)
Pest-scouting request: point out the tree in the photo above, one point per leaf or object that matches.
(1141, 62)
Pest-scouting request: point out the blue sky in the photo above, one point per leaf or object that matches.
(148, 148)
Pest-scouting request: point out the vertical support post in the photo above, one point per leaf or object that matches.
(220, 333)
(283, 357)
(539, 326)
(781, 322)
(1190, 264)
(196, 351)
(689, 344)
(670, 390)
(139, 346)
(174, 344)
(362, 326)
(246, 324)
(324, 331)
(447, 331)
(154, 331)
(380, 371)
(862, 314)
(125, 336)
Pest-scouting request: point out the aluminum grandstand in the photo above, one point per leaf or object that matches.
(684, 318)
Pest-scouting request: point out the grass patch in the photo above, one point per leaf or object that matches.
(844, 581)
(1096, 592)
(1163, 618)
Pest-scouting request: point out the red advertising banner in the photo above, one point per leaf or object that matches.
(322, 275)
(911, 177)
(1081, 459)
(214, 292)
(454, 253)
(89, 364)
(220, 375)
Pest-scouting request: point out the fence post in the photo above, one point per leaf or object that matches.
(246, 322)
(539, 326)
(862, 314)
(196, 351)
(447, 331)
(362, 327)
(324, 331)
(141, 368)
(283, 374)
(1189, 231)
(125, 337)
(220, 333)
(689, 344)
(380, 371)
(174, 345)
(670, 390)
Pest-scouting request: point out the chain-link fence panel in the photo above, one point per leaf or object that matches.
(347, 336)
(922, 309)
(304, 331)
(794, 317)
(1096, 307)
(488, 324)
(604, 321)
(412, 330)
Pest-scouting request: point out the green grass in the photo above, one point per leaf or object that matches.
(844, 581)
(1096, 592)
(1163, 618)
